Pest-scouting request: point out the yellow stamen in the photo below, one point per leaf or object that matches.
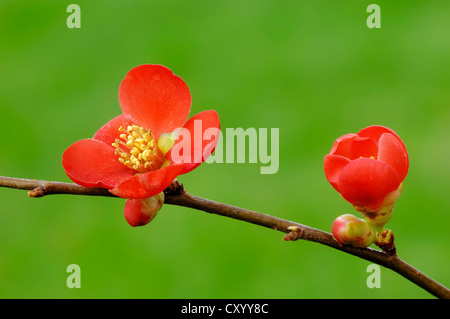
(138, 150)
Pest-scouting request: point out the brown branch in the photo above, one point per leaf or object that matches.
(176, 195)
(38, 188)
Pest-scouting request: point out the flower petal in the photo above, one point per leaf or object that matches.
(92, 163)
(392, 152)
(339, 140)
(374, 132)
(109, 132)
(201, 145)
(352, 146)
(155, 98)
(147, 184)
(366, 182)
(333, 165)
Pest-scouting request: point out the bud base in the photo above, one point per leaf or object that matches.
(385, 241)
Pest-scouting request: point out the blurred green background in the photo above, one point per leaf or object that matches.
(310, 68)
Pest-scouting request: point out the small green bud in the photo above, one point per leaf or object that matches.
(349, 230)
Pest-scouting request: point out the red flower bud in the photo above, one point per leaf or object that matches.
(350, 230)
(140, 212)
(368, 168)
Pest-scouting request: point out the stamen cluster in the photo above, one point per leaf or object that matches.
(138, 150)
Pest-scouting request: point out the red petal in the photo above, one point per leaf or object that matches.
(91, 163)
(352, 146)
(392, 152)
(155, 98)
(339, 140)
(147, 184)
(133, 213)
(200, 148)
(109, 132)
(374, 132)
(333, 165)
(366, 182)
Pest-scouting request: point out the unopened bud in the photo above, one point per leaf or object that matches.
(140, 212)
(349, 230)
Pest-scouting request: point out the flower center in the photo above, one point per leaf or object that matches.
(138, 150)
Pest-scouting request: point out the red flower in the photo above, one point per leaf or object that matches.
(366, 167)
(130, 154)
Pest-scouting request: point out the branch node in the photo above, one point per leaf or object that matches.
(386, 243)
(294, 234)
(176, 188)
(38, 191)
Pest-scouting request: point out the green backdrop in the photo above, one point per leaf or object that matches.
(313, 69)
